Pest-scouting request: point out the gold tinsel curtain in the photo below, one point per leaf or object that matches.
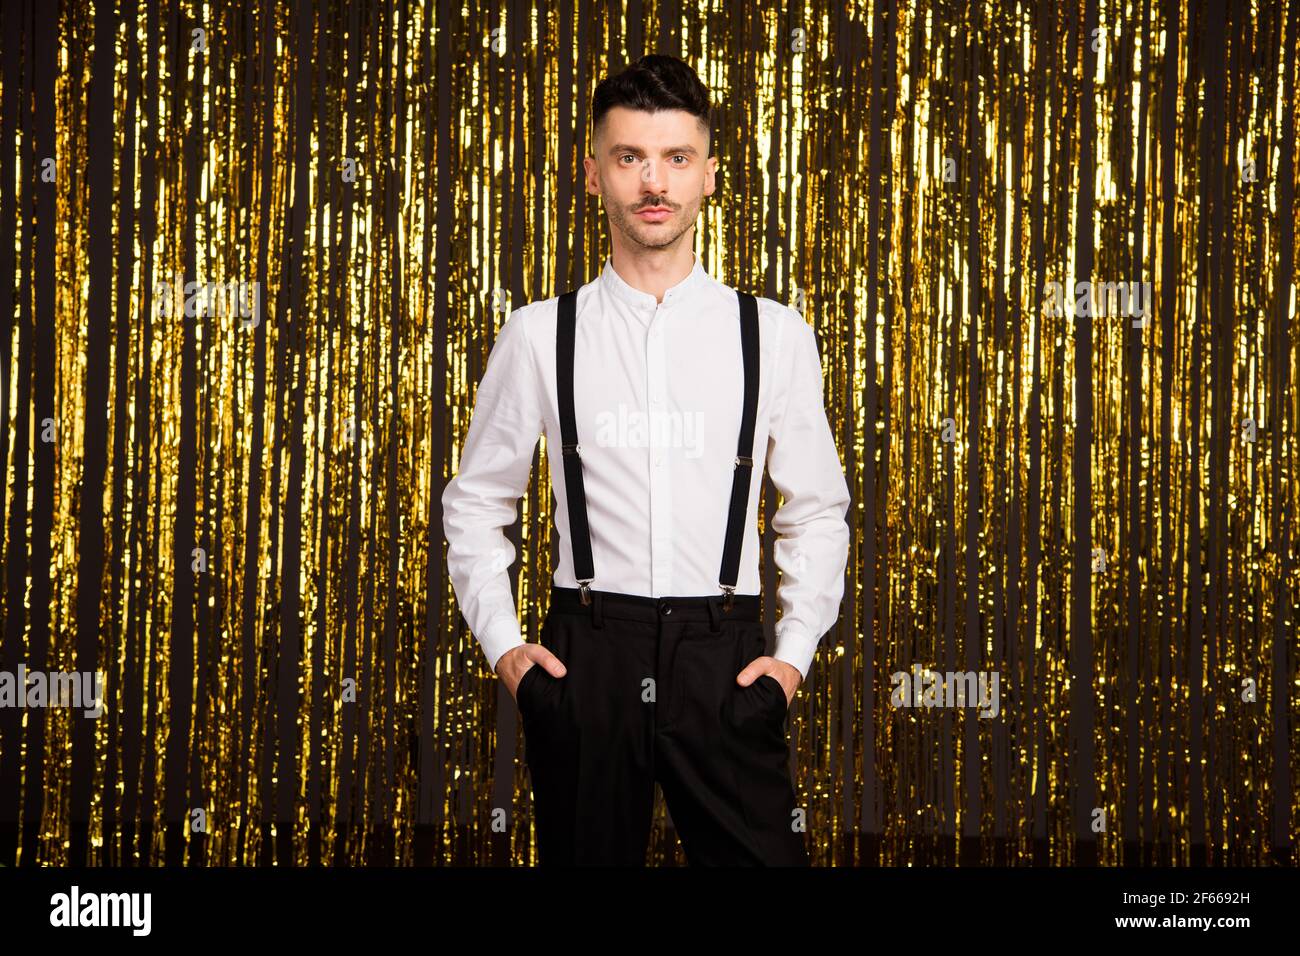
(234, 515)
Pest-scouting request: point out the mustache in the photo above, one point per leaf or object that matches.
(654, 205)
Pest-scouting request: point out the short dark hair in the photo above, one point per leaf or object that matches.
(654, 82)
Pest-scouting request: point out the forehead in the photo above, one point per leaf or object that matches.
(652, 131)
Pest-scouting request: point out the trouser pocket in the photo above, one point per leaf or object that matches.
(538, 692)
(765, 692)
(523, 693)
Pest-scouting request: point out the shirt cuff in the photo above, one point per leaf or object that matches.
(501, 634)
(795, 647)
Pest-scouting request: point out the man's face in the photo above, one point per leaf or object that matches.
(652, 170)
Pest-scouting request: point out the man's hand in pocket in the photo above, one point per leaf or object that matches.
(515, 662)
(787, 675)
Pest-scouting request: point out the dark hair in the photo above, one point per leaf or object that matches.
(654, 82)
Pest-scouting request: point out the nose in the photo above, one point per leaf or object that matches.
(650, 172)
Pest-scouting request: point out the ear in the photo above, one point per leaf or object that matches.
(710, 175)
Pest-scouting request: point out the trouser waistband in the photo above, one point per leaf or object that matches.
(639, 607)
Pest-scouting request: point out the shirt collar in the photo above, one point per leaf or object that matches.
(644, 301)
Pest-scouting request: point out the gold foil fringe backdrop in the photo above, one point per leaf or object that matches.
(1049, 252)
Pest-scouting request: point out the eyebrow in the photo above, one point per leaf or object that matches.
(624, 148)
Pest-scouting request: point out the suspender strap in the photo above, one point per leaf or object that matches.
(579, 530)
(744, 450)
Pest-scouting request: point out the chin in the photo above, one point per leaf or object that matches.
(658, 233)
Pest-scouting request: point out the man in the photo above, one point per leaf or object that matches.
(658, 388)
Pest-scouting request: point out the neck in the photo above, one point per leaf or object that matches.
(653, 270)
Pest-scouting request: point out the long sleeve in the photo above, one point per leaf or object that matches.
(482, 499)
(813, 539)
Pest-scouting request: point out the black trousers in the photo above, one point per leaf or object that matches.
(650, 695)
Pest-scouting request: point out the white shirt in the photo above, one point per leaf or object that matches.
(658, 393)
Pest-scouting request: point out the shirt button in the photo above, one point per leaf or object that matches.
(665, 607)
(658, 461)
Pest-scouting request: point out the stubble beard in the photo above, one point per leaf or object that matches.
(650, 235)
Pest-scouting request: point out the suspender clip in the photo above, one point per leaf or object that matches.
(572, 449)
(744, 460)
(728, 590)
(584, 590)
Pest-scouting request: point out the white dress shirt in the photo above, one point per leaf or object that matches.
(658, 393)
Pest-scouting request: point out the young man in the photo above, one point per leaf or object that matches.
(659, 389)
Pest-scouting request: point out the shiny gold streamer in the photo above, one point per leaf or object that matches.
(248, 533)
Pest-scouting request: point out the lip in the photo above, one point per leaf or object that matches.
(655, 213)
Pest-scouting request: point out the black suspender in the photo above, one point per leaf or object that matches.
(579, 531)
(744, 449)
(575, 493)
